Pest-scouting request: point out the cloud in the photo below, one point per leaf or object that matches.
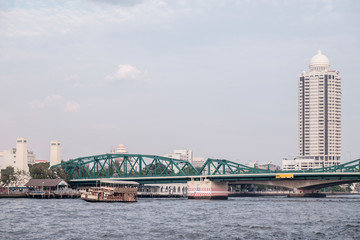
(127, 72)
(53, 98)
(22, 22)
(118, 2)
(56, 101)
(72, 107)
(39, 104)
(70, 16)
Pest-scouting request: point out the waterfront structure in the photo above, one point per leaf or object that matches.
(47, 184)
(206, 189)
(18, 157)
(319, 117)
(163, 190)
(55, 152)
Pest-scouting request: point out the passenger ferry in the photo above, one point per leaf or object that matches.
(112, 191)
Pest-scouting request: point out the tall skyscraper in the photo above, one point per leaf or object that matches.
(55, 153)
(319, 117)
(21, 160)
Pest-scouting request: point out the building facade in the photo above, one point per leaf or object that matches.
(55, 152)
(184, 154)
(319, 117)
(18, 157)
(121, 149)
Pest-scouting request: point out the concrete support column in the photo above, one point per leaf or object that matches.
(206, 189)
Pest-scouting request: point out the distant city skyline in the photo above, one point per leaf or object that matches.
(219, 78)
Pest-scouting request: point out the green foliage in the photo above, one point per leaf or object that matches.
(338, 188)
(40, 171)
(7, 175)
(43, 171)
(190, 171)
(159, 169)
(11, 177)
(59, 172)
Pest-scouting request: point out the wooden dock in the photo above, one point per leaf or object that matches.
(41, 194)
(53, 194)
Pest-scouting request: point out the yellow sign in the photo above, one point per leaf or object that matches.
(284, 175)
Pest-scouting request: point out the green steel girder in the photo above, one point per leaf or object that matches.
(221, 166)
(137, 165)
(126, 165)
(352, 166)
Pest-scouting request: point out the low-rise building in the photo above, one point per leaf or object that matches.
(46, 184)
(302, 164)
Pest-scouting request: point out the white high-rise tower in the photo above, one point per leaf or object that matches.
(55, 153)
(319, 117)
(21, 159)
(319, 114)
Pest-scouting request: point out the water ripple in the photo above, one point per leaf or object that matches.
(238, 218)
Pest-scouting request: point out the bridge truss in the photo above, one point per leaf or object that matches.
(137, 165)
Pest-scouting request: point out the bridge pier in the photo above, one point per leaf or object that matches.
(313, 193)
(206, 189)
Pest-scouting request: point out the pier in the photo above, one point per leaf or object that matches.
(56, 194)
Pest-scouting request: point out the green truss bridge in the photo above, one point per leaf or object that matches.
(86, 171)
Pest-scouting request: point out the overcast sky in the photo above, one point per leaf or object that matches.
(217, 77)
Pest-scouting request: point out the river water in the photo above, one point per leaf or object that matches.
(335, 217)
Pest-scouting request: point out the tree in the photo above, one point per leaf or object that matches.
(43, 171)
(190, 171)
(15, 178)
(160, 167)
(59, 172)
(40, 171)
(7, 175)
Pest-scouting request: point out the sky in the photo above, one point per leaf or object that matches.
(217, 77)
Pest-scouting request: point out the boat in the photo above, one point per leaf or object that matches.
(112, 191)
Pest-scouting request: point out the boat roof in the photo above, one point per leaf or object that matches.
(120, 182)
